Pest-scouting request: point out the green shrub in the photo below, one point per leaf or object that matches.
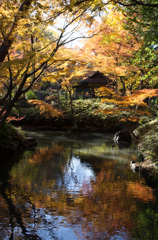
(11, 138)
(148, 134)
(4, 135)
(30, 95)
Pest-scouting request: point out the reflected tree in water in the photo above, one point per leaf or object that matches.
(146, 225)
(34, 192)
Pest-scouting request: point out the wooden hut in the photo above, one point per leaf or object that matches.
(96, 80)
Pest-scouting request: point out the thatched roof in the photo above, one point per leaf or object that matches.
(98, 79)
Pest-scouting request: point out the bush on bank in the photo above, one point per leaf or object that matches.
(83, 115)
(11, 139)
(148, 137)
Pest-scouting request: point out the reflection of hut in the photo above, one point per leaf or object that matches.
(96, 80)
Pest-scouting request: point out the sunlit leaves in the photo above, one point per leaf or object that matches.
(9, 119)
(133, 104)
(136, 98)
(46, 109)
(112, 50)
(30, 43)
(105, 91)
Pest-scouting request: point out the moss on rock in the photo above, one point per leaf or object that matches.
(148, 141)
(11, 139)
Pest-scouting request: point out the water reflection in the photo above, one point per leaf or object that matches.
(75, 187)
(76, 175)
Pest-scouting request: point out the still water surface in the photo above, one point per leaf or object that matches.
(75, 187)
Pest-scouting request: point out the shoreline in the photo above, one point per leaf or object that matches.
(145, 158)
(143, 132)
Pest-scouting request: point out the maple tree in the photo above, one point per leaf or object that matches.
(46, 109)
(67, 73)
(8, 37)
(131, 29)
(31, 35)
(112, 51)
(23, 7)
(71, 78)
(131, 106)
(33, 32)
(12, 13)
(115, 52)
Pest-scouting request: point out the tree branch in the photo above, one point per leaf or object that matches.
(135, 2)
(8, 40)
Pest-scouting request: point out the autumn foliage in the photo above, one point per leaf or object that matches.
(133, 104)
(46, 109)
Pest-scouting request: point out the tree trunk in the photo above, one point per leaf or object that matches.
(11, 103)
(6, 114)
(70, 96)
(93, 92)
(140, 86)
(58, 94)
(124, 87)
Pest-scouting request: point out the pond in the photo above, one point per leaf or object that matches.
(75, 186)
